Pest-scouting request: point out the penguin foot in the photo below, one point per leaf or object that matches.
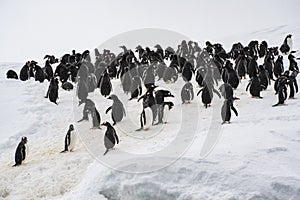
(15, 165)
(139, 129)
(64, 151)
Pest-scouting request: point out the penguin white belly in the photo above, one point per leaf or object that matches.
(166, 114)
(26, 151)
(149, 118)
(289, 42)
(73, 141)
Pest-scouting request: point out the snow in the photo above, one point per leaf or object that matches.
(255, 157)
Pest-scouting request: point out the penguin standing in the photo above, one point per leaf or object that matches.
(278, 67)
(110, 137)
(160, 96)
(136, 87)
(150, 101)
(207, 94)
(146, 118)
(230, 76)
(287, 45)
(226, 91)
(226, 110)
(200, 76)
(166, 107)
(52, 92)
(70, 139)
(293, 84)
(21, 152)
(187, 71)
(187, 93)
(118, 111)
(255, 86)
(280, 87)
(126, 81)
(263, 77)
(253, 67)
(24, 73)
(104, 84)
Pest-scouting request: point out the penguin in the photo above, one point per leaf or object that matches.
(187, 71)
(226, 110)
(136, 87)
(263, 48)
(52, 92)
(164, 116)
(82, 90)
(253, 67)
(278, 67)
(263, 77)
(89, 105)
(67, 86)
(160, 96)
(161, 70)
(171, 74)
(241, 65)
(226, 91)
(105, 85)
(48, 70)
(287, 45)
(269, 64)
(280, 87)
(118, 111)
(21, 152)
(293, 66)
(110, 137)
(146, 118)
(148, 76)
(70, 139)
(207, 94)
(126, 81)
(24, 73)
(255, 86)
(187, 93)
(39, 74)
(293, 84)
(200, 73)
(92, 82)
(229, 75)
(150, 101)
(11, 74)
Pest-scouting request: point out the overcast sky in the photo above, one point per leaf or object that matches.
(32, 28)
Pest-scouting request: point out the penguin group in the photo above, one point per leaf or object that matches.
(210, 68)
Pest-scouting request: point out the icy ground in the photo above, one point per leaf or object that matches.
(257, 156)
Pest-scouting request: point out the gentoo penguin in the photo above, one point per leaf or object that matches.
(226, 91)
(200, 76)
(278, 67)
(136, 87)
(11, 74)
(187, 93)
(70, 139)
(24, 73)
(293, 64)
(67, 86)
(82, 90)
(160, 96)
(90, 108)
(146, 118)
(110, 137)
(118, 111)
(287, 45)
(160, 70)
(263, 48)
(230, 76)
(253, 67)
(105, 84)
(255, 86)
(164, 116)
(269, 64)
(52, 92)
(226, 110)
(263, 76)
(48, 70)
(149, 101)
(280, 87)
(293, 84)
(241, 65)
(126, 81)
(207, 94)
(187, 71)
(21, 152)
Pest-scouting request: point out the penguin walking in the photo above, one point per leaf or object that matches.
(207, 94)
(255, 86)
(287, 45)
(187, 93)
(21, 152)
(110, 137)
(226, 110)
(52, 92)
(70, 139)
(118, 111)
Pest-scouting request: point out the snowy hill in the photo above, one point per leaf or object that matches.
(256, 157)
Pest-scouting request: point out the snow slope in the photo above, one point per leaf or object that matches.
(256, 157)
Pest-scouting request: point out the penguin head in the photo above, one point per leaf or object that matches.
(113, 97)
(71, 127)
(106, 124)
(24, 140)
(289, 36)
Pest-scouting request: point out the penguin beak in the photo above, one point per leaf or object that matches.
(109, 98)
(171, 95)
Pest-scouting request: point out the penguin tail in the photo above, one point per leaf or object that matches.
(275, 105)
(105, 152)
(15, 165)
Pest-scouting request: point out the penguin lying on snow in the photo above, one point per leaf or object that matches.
(70, 139)
(110, 137)
(21, 152)
(11, 74)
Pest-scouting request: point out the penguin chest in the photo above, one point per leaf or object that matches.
(73, 140)
(166, 112)
(148, 118)
(289, 42)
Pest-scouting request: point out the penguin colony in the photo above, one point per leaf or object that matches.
(138, 70)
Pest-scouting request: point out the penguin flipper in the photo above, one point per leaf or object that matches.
(105, 152)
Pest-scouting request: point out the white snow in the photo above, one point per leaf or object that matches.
(256, 157)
